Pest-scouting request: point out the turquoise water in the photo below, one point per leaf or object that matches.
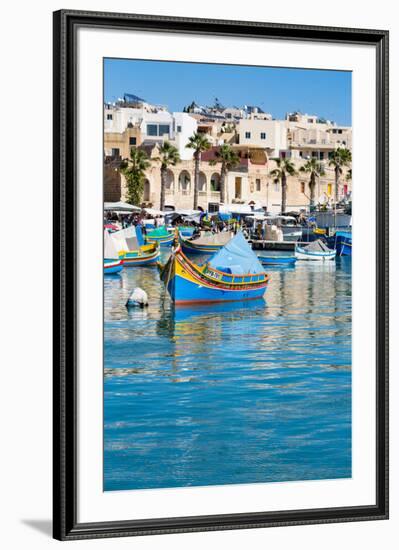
(259, 392)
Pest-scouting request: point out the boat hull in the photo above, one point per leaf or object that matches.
(113, 266)
(162, 241)
(139, 259)
(344, 243)
(270, 260)
(189, 284)
(303, 254)
(191, 247)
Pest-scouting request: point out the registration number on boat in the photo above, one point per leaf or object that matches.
(214, 274)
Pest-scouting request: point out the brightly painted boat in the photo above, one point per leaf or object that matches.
(160, 235)
(343, 243)
(207, 243)
(146, 255)
(186, 231)
(232, 274)
(278, 260)
(129, 247)
(112, 266)
(315, 251)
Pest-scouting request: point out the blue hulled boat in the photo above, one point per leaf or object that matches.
(112, 266)
(232, 274)
(207, 243)
(283, 261)
(161, 236)
(343, 243)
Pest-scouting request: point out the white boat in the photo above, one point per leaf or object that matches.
(315, 251)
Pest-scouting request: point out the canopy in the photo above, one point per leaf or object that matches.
(110, 247)
(153, 212)
(126, 239)
(121, 206)
(238, 256)
(207, 237)
(241, 208)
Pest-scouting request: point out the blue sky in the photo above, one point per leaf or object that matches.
(275, 90)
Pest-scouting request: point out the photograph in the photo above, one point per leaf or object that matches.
(227, 233)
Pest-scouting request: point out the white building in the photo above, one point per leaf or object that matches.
(268, 134)
(184, 127)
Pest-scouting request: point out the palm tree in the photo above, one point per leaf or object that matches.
(134, 171)
(284, 167)
(339, 158)
(228, 159)
(200, 143)
(168, 156)
(315, 169)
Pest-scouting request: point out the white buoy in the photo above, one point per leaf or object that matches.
(138, 298)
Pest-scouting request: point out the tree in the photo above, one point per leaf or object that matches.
(228, 159)
(339, 158)
(200, 143)
(168, 156)
(283, 169)
(315, 169)
(134, 171)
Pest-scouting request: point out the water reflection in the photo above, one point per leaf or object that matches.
(229, 393)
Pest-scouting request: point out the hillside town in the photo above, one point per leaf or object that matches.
(243, 155)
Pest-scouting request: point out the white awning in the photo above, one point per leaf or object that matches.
(121, 206)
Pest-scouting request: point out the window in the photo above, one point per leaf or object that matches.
(257, 184)
(263, 135)
(247, 135)
(115, 153)
(321, 155)
(163, 129)
(152, 130)
(109, 116)
(340, 131)
(132, 140)
(314, 154)
(179, 129)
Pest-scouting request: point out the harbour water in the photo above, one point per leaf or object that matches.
(218, 394)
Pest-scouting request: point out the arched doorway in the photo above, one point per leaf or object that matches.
(147, 191)
(170, 181)
(184, 182)
(215, 182)
(202, 182)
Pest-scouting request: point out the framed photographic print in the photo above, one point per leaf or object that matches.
(221, 274)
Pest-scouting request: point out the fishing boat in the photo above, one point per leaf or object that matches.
(315, 251)
(112, 266)
(131, 249)
(343, 243)
(160, 235)
(112, 262)
(234, 273)
(206, 243)
(146, 255)
(186, 231)
(284, 261)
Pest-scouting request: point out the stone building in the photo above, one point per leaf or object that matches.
(256, 139)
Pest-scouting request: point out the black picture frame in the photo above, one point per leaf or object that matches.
(66, 23)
